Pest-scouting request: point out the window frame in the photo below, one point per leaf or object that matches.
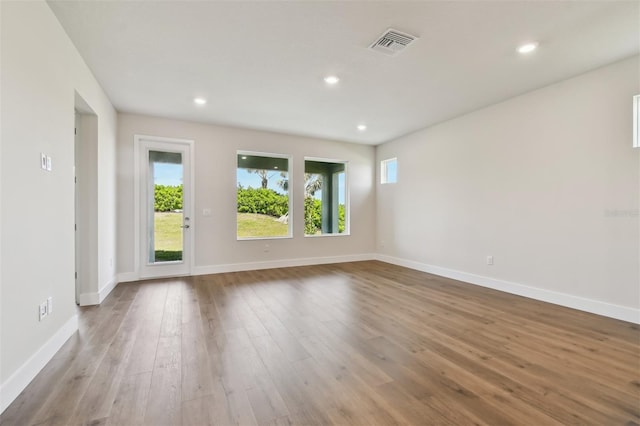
(384, 167)
(347, 197)
(289, 159)
(636, 121)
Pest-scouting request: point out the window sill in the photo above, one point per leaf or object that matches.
(344, 234)
(264, 238)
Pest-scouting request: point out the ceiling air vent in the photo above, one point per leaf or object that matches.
(391, 42)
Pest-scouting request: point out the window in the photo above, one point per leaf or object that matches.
(325, 198)
(389, 171)
(636, 121)
(263, 196)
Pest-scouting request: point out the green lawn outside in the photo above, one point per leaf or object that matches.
(251, 225)
(168, 232)
(168, 236)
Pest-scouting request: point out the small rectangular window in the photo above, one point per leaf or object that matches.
(325, 198)
(263, 196)
(636, 121)
(389, 171)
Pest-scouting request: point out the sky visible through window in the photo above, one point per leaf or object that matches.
(171, 175)
(252, 180)
(167, 174)
(392, 171)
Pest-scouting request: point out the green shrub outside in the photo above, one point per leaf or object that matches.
(168, 198)
(313, 216)
(341, 218)
(262, 201)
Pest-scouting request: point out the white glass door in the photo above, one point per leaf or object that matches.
(165, 198)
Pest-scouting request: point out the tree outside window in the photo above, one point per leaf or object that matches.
(263, 202)
(325, 201)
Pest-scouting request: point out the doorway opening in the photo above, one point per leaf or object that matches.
(85, 133)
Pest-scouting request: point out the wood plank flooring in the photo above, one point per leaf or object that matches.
(363, 343)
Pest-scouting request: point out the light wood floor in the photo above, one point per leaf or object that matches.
(361, 343)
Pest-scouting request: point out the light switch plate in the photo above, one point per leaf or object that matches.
(42, 311)
(49, 165)
(43, 161)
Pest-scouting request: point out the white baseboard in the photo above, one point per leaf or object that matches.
(106, 289)
(19, 380)
(127, 277)
(571, 301)
(89, 299)
(253, 266)
(96, 298)
(576, 302)
(284, 263)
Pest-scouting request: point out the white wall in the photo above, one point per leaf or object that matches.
(41, 71)
(548, 183)
(215, 148)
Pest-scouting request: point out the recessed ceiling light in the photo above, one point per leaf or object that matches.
(528, 48)
(331, 79)
(200, 101)
(362, 127)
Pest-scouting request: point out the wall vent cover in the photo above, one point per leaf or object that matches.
(391, 42)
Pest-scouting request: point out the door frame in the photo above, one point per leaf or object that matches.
(76, 203)
(170, 269)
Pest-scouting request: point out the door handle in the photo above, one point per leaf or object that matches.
(185, 226)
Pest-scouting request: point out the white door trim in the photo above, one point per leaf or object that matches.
(76, 206)
(188, 202)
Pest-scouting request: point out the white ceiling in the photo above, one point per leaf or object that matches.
(261, 64)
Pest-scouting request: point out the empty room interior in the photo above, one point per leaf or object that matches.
(319, 212)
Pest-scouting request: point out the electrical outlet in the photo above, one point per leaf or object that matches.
(42, 311)
(49, 305)
(489, 260)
